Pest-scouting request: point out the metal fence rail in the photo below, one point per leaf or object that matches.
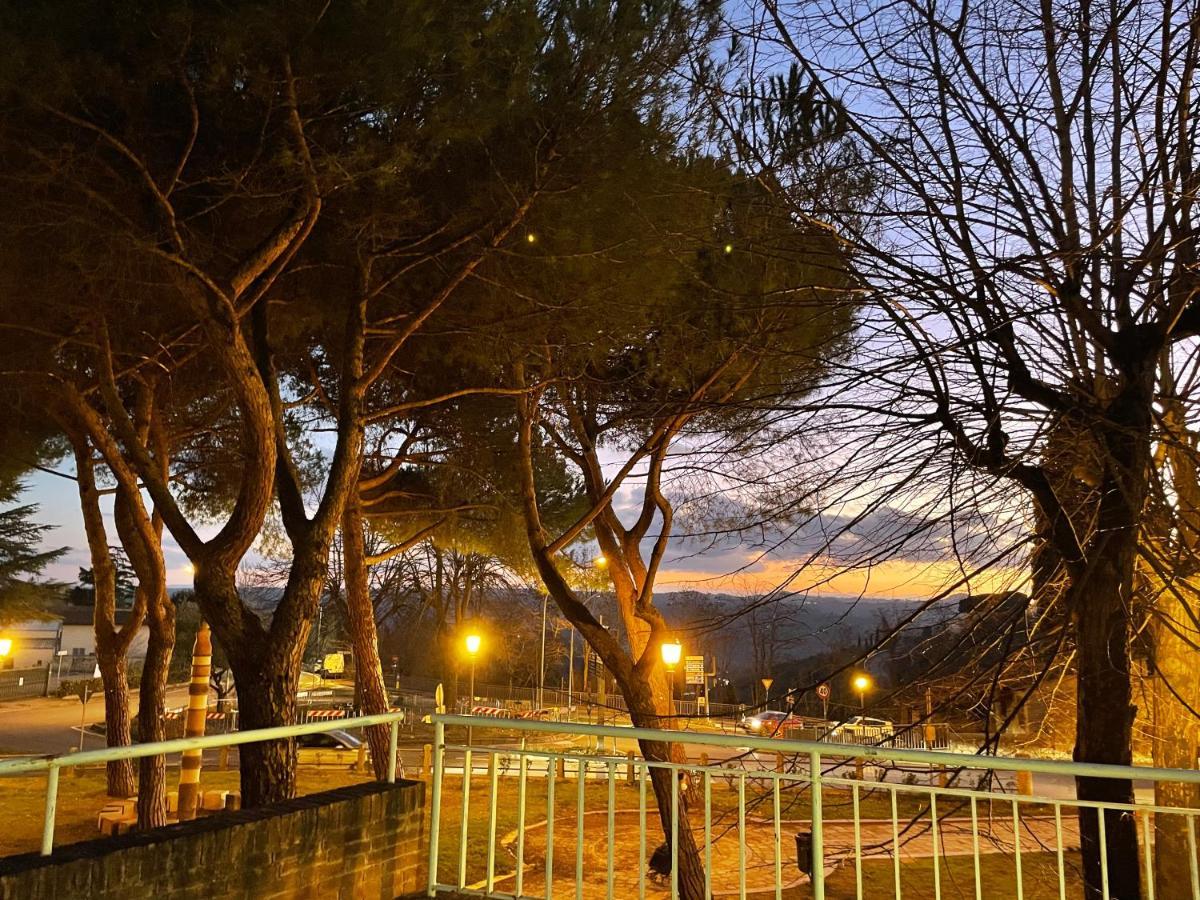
(735, 809)
(53, 765)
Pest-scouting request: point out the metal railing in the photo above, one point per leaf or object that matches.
(52, 765)
(734, 807)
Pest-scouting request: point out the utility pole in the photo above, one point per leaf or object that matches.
(571, 674)
(541, 701)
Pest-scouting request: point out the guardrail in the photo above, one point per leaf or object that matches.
(931, 822)
(52, 765)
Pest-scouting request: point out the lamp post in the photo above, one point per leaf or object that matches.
(862, 683)
(541, 700)
(672, 652)
(473, 643)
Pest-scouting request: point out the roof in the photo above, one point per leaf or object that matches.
(28, 625)
(82, 615)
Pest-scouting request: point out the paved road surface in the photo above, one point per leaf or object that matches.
(51, 725)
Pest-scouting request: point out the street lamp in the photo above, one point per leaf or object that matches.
(473, 643)
(601, 561)
(5, 647)
(672, 652)
(862, 683)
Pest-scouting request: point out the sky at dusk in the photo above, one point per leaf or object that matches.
(723, 566)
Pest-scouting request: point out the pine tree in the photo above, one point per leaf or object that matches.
(23, 556)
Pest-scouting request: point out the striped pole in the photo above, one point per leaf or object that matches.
(189, 767)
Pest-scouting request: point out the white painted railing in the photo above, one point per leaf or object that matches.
(966, 809)
(52, 765)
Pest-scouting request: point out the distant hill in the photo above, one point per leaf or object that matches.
(800, 627)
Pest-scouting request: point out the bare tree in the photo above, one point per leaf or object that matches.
(1029, 260)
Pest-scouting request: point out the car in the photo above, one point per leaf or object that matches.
(328, 748)
(766, 722)
(864, 726)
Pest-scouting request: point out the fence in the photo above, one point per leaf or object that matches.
(869, 819)
(53, 765)
(553, 697)
(18, 683)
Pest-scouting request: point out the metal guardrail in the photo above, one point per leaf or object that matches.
(53, 764)
(815, 769)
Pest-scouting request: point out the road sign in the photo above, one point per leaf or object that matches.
(767, 682)
(693, 669)
(823, 691)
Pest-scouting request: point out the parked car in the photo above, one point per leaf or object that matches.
(863, 726)
(328, 748)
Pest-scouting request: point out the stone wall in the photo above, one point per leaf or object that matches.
(363, 841)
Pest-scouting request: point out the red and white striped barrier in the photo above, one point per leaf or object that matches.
(172, 714)
(327, 714)
(498, 712)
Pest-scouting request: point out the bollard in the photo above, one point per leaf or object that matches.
(560, 767)
(223, 758)
(858, 768)
(778, 762)
(629, 767)
(360, 764)
(427, 761)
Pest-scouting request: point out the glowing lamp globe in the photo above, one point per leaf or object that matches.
(672, 652)
(473, 643)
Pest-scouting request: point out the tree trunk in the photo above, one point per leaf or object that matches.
(152, 702)
(117, 730)
(266, 674)
(266, 688)
(1101, 601)
(651, 708)
(369, 684)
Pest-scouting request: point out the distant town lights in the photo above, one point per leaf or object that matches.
(728, 249)
(531, 238)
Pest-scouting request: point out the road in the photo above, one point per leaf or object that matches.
(51, 725)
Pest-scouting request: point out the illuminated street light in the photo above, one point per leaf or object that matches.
(473, 643)
(5, 646)
(601, 561)
(862, 683)
(672, 652)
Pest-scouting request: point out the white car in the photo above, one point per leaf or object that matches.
(864, 726)
(328, 748)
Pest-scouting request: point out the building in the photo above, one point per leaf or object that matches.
(79, 637)
(37, 643)
(34, 643)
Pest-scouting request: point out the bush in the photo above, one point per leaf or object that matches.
(74, 687)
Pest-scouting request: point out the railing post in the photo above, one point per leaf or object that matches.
(435, 804)
(393, 748)
(818, 828)
(51, 805)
